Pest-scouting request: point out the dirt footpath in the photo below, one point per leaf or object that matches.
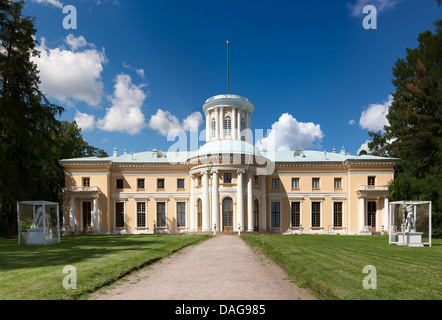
(221, 268)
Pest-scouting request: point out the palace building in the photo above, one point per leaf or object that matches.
(227, 185)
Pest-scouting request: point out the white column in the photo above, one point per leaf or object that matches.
(205, 226)
(361, 214)
(263, 204)
(249, 127)
(215, 201)
(72, 213)
(217, 123)
(385, 216)
(192, 203)
(207, 127)
(96, 224)
(239, 196)
(250, 215)
(221, 128)
(239, 125)
(234, 110)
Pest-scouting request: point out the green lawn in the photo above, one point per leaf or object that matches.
(332, 265)
(36, 272)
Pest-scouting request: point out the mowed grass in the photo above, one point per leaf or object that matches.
(36, 272)
(332, 266)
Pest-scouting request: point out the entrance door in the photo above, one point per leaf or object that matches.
(256, 215)
(199, 214)
(87, 215)
(227, 214)
(371, 215)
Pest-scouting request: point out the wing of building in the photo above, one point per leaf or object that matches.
(228, 185)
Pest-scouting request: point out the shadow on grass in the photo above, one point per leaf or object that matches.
(75, 249)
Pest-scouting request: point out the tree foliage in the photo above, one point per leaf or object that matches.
(32, 140)
(414, 132)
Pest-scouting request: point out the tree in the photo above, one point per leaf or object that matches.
(32, 140)
(414, 133)
(26, 117)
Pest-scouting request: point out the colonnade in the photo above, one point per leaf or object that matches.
(212, 212)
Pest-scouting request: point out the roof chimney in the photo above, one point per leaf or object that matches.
(342, 151)
(115, 152)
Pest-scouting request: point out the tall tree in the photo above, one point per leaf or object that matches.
(26, 117)
(32, 140)
(414, 133)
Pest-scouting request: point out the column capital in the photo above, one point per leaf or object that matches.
(240, 171)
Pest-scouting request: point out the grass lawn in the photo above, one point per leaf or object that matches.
(332, 265)
(36, 272)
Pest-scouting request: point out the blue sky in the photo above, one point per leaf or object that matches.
(134, 69)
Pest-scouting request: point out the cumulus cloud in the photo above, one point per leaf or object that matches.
(125, 114)
(365, 147)
(381, 6)
(289, 134)
(71, 74)
(163, 122)
(85, 121)
(374, 118)
(55, 3)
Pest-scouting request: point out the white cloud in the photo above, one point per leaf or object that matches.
(351, 122)
(164, 122)
(381, 6)
(75, 43)
(364, 146)
(85, 121)
(193, 121)
(374, 117)
(125, 115)
(289, 134)
(55, 3)
(68, 74)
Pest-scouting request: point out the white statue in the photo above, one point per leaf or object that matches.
(38, 220)
(410, 219)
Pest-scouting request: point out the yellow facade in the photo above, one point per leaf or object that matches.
(226, 186)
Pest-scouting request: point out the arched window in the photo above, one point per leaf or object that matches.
(213, 128)
(228, 125)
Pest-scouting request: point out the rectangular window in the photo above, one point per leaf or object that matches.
(337, 214)
(276, 214)
(295, 183)
(315, 183)
(256, 178)
(316, 214)
(181, 214)
(119, 214)
(180, 183)
(371, 181)
(140, 183)
(199, 181)
(161, 214)
(296, 214)
(338, 183)
(160, 183)
(141, 214)
(275, 183)
(119, 184)
(227, 177)
(86, 182)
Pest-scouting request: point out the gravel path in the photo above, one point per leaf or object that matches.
(221, 268)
